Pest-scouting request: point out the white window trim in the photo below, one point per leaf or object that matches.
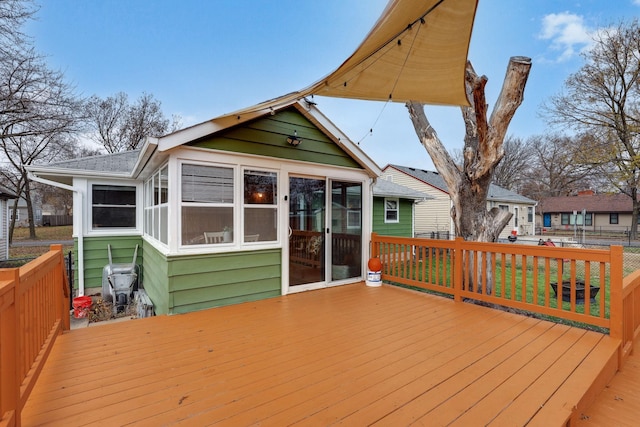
(397, 210)
(243, 205)
(153, 208)
(128, 231)
(283, 167)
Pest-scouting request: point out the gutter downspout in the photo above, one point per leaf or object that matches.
(80, 226)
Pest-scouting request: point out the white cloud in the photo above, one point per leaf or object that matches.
(567, 32)
(636, 2)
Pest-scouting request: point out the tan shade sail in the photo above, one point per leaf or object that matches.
(416, 51)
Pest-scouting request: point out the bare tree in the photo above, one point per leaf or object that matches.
(468, 185)
(37, 107)
(511, 172)
(603, 98)
(555, 168)
(120, 126)
(483, 149)
(13, 15)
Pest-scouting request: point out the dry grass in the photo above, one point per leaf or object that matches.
(21, 234)
(63, 232)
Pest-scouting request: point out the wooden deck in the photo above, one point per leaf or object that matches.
(619, 403)
(350, 355)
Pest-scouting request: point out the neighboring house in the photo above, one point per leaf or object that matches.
(435, 216)
(593, 212)
(267, 201)
(6, 198)
(394, 208)
(22, 215)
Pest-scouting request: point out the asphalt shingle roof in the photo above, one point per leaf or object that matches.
(591, 203)
(123, 162)
(385, 188)
(496, 193)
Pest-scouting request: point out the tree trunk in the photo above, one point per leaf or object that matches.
(27, 198)
(633, 232)
(468, 185)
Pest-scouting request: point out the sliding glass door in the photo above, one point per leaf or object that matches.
(307, 222)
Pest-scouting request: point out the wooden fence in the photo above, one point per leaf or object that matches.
(580, 285)
(34, 309)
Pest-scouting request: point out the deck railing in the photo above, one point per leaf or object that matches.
(580, 285)
(34, 309)
(630, 308)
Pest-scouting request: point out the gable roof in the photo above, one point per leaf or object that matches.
(129, 164)
(604, 203)
(386, 188)
(434, 179)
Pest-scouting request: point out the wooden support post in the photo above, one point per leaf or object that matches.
(62, 295)
(458, 261)
(616, 303)
(9, 348)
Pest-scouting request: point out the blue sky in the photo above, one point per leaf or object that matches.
(204, 58)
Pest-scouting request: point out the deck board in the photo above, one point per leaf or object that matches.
(350, 355)
(618, 404)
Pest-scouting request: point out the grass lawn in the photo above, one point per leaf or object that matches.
(511, 278)
(21, 234)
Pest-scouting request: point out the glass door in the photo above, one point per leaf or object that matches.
(307, 216)
(346, 230)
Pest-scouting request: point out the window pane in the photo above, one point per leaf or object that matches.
(391, 210)
(114, 217)
(114, 206)
(207, 184)
(164, 224)
(164, 185)
(260, 187)
(197, 220)
(260, 225)
(113, 195)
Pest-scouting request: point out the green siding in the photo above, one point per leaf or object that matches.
(399, 229)
(267, 137)
(180, 284)
(156, 283)
(96, 256)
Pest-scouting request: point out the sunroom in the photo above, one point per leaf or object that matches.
(243, 207)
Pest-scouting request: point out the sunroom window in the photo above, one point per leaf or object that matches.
(207, 204)
(260, 206)
(156, 206)
(113, 206)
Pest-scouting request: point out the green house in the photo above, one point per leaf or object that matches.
(394, 208)
(264, 202)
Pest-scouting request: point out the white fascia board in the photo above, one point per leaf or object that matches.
(149, 147)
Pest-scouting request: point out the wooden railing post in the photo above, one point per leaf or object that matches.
(9, 348)
(458, 261)
(616, 315)
(374, 246)
(62, 296)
